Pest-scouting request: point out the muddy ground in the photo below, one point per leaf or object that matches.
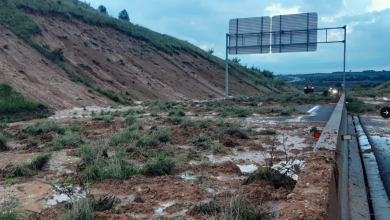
(212, 177)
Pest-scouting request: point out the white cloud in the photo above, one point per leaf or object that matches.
(378, 5)
(206, 46)
(276, 9)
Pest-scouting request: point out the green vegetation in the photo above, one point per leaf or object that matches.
(19, 171)
(159, 167)
(9, 211)
(210, 208)
(111, 96)
(80, 208)
(44, 128)
(15, 107)
(40, 162)
(241, 209)
(177, 112)
(125, 136)
(273, 178)
(96, 166)
(3, 143)
(153, 140)
(67, 140)
(201, 140)
(355, 105)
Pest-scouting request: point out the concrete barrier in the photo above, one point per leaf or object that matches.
(331, 139)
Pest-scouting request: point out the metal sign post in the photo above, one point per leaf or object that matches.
(289, 34)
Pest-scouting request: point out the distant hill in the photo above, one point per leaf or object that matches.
(384, 88)
(64, 53)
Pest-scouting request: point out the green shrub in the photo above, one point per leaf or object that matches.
(241, 209)
(9, 211)
(32, 142)
(40, 162)
(44, 128)
(123, 137)
(273, 178)
(3, 143)
(153, 140)
(15, 107)
(104, 118)
(210, 208)
(81, 209)
(217, 148)
(159, 167)
(66, 140)
(200, 139)
(267, 132)
(3, 126)
(110, 95)
(19, 171)
(177, 112)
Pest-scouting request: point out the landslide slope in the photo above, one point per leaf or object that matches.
(64, 53)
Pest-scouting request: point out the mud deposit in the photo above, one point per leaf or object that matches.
(183, 160)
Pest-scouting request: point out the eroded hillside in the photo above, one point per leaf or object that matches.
(55, 56)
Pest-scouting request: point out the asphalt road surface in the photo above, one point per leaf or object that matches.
(377, 130)
(315, 114)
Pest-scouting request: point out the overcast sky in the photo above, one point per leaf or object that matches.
(204, 23)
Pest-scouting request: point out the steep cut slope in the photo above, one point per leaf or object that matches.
(90, 56)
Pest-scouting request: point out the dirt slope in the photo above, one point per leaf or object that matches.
(37, 77)
(105, 58)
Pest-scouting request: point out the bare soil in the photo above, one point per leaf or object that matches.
(204, 178)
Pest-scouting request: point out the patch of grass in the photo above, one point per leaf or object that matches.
(241, 209)
(19, 171)
(177, 112)
(160, 105)
(104, 118)
(32, 142)
(153, 140)
(210, 208)
(67, 140)
(123, 137)
(159, 167)
(111, 96)
(267, 132)
(233, 130)
(355, 105)
(3, 143)
(273, 178)
(187, 123)
(200, 140)
(80, 208)
(217, 148)
(15, 107)
(44, 128)
(9, 211)
(102, 204)
(3, 126)
(40, 162)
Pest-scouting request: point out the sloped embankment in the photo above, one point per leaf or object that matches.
(85, 56)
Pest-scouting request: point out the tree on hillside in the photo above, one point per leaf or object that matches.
(102, 9)
(124, 15)
(236, 60)
(211, 51)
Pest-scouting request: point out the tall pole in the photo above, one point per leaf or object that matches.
(227, 68)
(345, 50)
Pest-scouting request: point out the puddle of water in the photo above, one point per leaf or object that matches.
(248, 168)
(282, 167)
(250, 156)
(188, 176)
(61, 162)
(163, 205)
(87, 111)
(62, 193)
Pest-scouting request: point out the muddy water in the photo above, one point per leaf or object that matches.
(87, 111)
(31, 196)
(14, 159)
